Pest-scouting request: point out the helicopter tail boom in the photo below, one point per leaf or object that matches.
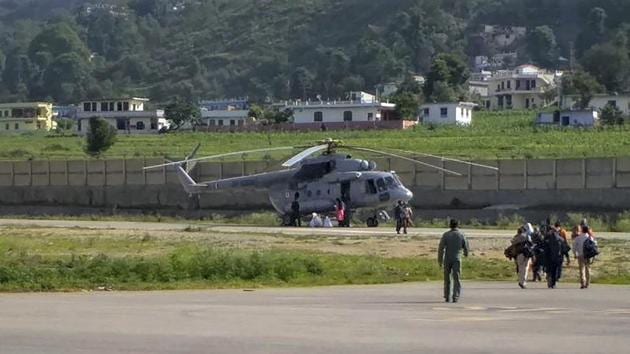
(190, 186)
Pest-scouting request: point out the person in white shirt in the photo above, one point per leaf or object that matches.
(578, 251)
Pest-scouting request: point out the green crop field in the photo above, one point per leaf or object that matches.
(509, 135)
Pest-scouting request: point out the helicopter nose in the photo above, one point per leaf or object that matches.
(405, 195)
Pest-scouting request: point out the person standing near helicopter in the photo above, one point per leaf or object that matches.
(399, 215)
(295, 211)
(340, 211)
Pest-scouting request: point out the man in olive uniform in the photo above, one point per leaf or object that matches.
(451, 246)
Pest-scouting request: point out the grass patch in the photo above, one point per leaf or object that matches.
(71, 259)
(218, 268)
(493, 135)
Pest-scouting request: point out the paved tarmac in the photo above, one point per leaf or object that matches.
(288, 231)
(408, 318)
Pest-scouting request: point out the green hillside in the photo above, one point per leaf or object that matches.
(68, 50)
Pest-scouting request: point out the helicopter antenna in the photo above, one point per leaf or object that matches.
(405, 158)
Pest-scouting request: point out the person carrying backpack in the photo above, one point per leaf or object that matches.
(522, 243)
(584, 249)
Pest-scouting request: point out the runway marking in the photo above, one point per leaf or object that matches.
(542, 309)
(618, 312)
(476, 308)
(442, 308)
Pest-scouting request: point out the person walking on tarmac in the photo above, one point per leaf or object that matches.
(554, 254)
(452, 244)
(522, 243)
(582, 257)
(565, 245)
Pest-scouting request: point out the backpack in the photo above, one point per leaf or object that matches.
(510, 252)
(527, 249)
(590, 248)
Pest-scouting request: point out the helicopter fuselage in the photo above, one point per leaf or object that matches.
(319, 182)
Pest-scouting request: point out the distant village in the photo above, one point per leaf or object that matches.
(493, 87)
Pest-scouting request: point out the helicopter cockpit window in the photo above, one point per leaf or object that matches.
(370, 187)
(380, 183)
(390, 182)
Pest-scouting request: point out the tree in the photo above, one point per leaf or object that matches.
(65, 76)
(57, 39)
(181, 112)
(611, 115)
(407, 105)
(446, 79)
(100, 136)
(542, 46)
(609, 64)
(301, 83)
(582, 84)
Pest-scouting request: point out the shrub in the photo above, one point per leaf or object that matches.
(100, 137)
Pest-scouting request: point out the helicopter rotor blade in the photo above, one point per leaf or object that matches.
(194, 152)
(176, 163)
(304, 154)
(404, 158)
(448, 159)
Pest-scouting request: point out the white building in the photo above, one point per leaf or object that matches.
(583, 118)
(361, 108)
(522, 88)
(497, 61)
(599, 101)
(221, 118)
(127, 115)
(447, 113)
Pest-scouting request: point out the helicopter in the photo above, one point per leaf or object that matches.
(316, 182)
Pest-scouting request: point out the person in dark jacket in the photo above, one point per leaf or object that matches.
(399, 215)
(296, 219)
(538, 255)
(554, 255)
(452, 244)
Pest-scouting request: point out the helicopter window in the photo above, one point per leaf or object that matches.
(370, 187)
(390, 182)
(380, 183)
(309, 194)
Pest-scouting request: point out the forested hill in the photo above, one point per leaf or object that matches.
(68, 50)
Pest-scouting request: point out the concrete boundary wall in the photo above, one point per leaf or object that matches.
(125, 183)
